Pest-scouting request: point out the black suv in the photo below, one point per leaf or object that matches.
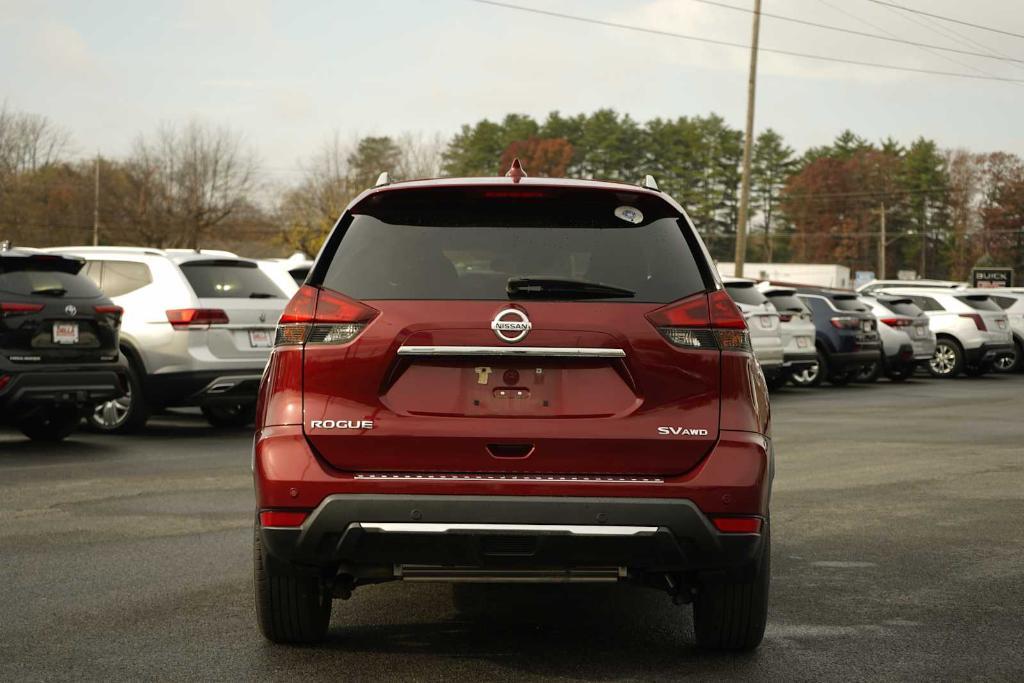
(58, 344)
(846, 335)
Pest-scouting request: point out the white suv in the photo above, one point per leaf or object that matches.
(197, 330)
(972, 332)
(764, 325)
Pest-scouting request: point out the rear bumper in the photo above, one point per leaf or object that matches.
(854, 358)
(903, 357)
(673, 512)
(200, 388)
(80, 385)
(988, 353)
(386, 536)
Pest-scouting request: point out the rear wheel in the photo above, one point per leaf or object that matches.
(1011, 363)
(869, 373)
(811, 377)
(948, 359)
(53, 424)
(289, 609)
(124, 414)
(730, 614)
(229, 414)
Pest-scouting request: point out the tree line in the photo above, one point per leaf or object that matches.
(193, 185)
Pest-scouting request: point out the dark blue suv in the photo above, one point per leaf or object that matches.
(846, 336)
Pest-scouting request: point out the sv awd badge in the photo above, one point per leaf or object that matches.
(341, 424)
(681, 431)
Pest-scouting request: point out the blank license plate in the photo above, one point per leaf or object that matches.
(803, 342)
(65, 333)
(259, 339)
(766, 322)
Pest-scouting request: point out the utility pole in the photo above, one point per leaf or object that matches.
(96, 203)
(881, 243)
(748, 143)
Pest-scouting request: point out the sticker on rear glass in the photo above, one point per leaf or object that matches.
(630, 214)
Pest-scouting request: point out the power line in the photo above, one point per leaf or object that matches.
(865, 34)
(726, 43)
(949, 19)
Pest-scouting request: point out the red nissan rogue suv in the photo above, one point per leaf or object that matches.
(513, 379)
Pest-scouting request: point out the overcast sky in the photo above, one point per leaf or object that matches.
(287, 74)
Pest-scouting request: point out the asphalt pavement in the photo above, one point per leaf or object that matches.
(898, 532)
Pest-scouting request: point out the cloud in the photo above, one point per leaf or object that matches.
(63, 50)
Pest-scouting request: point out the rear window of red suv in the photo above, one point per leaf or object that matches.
(468, 243)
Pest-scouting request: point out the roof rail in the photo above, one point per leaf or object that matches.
(383, 179)
(152, 251)
(650, 183)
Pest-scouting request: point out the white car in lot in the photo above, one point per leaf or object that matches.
(1012, 302)
(907, 338)
(875, 285)
(972, 331)
(197, 330)
(764, 324)
(796, 327)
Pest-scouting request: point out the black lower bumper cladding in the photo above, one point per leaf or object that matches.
(371, 535)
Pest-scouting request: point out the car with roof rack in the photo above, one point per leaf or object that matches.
(197, 330)
(58, 344)
(972, 331)
(513, 379)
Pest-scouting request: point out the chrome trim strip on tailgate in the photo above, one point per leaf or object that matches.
(560, 478)
(440, 528)
(533, 351)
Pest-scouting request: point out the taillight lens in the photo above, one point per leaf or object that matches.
(4, 379)
(979, 322)
(703, 321)
(321, 316)
(19, 308)
(737, 525)
(785, 317)
(196, 318)
(845, 322)
(115, 311)
(898, 322)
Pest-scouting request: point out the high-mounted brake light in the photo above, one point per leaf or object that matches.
(979, 322)
(196, 318)
(703, 321)
(16, 308)
(321, 316)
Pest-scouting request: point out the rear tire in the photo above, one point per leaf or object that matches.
(124, 414)
(229, 414)
(53, 424)
(948, 360)
(869, 373)
(1013, 363)
(731, 614)
(812, 376)
(289, 609)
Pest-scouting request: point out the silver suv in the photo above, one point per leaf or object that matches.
(972, 332)
(764, 325)
(907, 337)
(197, 330)
(1012, 301)
(796, 327)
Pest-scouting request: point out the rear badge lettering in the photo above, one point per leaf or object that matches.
(629, 214)
(341, 424)
(681, 431)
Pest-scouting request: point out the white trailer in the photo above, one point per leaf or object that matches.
(819, 274)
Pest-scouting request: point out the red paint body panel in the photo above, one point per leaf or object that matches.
(732, 480)
(623, 401)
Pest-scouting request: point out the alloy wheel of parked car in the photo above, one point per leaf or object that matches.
(125, 413)
(948, 359)
(1011, 363)
(811, 377)
(112, 414)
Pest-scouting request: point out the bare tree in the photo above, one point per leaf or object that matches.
(29, 142)
(421, 155)
(191, 179)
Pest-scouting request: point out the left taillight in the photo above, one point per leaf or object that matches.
(19, 308)
(323, 317)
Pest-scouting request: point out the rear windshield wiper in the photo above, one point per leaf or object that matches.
(261, 295)
(558, 288)
(50, 291)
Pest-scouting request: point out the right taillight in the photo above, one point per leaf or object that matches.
(321, 316)
(898, 322)
(196, 318)
(703, 321)
(979, 322)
